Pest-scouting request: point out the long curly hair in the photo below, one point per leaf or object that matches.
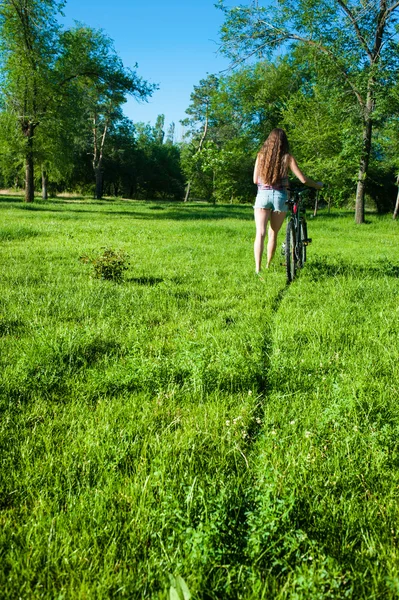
(273, 157)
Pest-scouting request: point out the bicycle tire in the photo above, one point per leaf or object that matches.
(304, 236)
(290, 258)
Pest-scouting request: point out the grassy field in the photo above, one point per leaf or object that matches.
(193, 421)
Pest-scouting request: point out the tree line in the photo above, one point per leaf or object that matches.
(326, 71)
(61, 120)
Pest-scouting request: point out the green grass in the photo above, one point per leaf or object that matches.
(193, 421)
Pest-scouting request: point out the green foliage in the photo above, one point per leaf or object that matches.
(109, 265)
(322, 134)
(347, 49)
(381, 188)
(12, 146)
(158, 167)
(64, 81)
(178, 589)
(215, 157)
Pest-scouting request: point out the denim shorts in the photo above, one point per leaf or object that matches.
(272, 199)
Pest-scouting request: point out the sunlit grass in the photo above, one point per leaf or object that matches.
(193, 420)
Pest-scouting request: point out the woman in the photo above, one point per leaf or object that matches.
(270, 175)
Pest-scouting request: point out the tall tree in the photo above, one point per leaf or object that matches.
(354, 39)
(159, 172)
(39, 62)
(159, 129)
(29, 46)
(103, 83)
(170, 136)
(198, 122)
(120, 160)
(228, 120)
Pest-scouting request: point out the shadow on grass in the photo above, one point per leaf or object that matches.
(339, 214)
(324, 214)
(10, 326)
(18, 234)
(322, 268)
(262, 379)
(73, 199)
(150, 281)
(279, 298)
(143, 210)
(11, 198)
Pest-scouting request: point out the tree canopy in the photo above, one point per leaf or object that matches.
(351, 44)
(324, 70)
(41, 64)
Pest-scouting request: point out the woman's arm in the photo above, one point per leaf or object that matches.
(255, 178)
(302, 177)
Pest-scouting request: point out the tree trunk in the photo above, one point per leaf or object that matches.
(202, 140)
(44, 184)
(187, 191)
(396, 211)
(98, 150)
(316, 204)
(29, 167)
(364, 160)
(99, 183)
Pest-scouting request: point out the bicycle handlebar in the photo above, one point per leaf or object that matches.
(301, 189)
(299, 193)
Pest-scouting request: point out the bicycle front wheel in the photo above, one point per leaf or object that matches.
(290, 258)
(304, 236)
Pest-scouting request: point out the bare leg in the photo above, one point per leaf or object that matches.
(276, 221)
(262, 216)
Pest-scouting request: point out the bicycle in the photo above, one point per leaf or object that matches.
(296, 239)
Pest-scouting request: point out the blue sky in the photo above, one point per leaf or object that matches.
(174, 42)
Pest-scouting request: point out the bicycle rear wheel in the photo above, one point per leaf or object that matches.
(304, 236)
(290, 259)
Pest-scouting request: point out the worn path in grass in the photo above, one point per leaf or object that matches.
(193, 420)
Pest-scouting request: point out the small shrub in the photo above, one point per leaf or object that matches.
(109, 265)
